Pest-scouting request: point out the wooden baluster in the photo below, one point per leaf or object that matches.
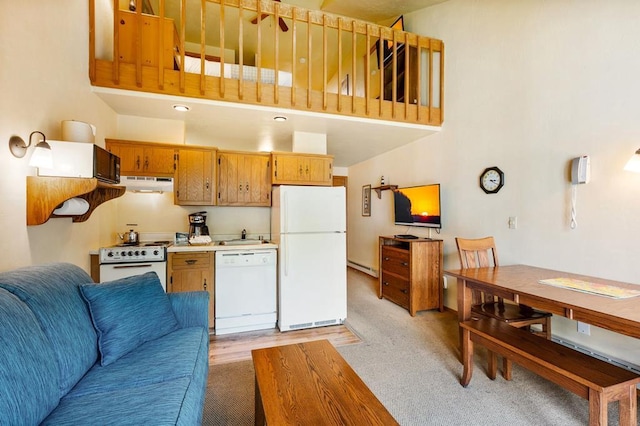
(353, 66)
(430, 110)
(441, 106)
(138, 42)
(294, 56)
(183, 24)
(240, 53)
(309, 51)
(407, 75)
(381, 70)
(367, 72)
(203, 52)
(161, 46)
(339, 83)
(116, 44)
(394, 74)
(324, 62)
(276, 31)
(419, 79)
(259, 54)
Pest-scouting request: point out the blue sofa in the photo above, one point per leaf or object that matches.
(77, 353)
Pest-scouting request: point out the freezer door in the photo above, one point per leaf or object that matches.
(313, 280)
(311, 209)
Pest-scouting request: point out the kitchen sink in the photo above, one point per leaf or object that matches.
(240, 242)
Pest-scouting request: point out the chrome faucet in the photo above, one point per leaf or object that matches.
(244, 234)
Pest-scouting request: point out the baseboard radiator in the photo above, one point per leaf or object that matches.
(362, 268)
(606, 358)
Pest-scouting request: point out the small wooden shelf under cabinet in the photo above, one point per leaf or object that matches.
(411, 273)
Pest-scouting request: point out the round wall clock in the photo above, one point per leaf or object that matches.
(491, 180)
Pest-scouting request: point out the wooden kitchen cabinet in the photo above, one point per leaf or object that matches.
(192, 271)
(143, 158)
(411, 273)
(302, 169)
(195, 177)
(244, 179)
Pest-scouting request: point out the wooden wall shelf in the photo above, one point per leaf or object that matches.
(45, 194)
(381, 188)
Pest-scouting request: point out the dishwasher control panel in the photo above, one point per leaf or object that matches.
(245, 258)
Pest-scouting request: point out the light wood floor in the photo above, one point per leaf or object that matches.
(237, 347)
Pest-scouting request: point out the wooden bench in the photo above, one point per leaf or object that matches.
(597, 381)
(311, 384)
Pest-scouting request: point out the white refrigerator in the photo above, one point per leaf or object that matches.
(309, 225)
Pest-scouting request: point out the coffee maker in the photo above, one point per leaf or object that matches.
(198, 224)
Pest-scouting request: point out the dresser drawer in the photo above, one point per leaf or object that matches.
(189, 260)
(395, 260)
(395, 289)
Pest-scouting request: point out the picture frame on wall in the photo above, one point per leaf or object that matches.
(366, 200)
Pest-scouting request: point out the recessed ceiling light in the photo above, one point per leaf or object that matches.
(279, 118)
(182, 108)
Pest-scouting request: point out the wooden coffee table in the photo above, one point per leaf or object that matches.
(311, 384)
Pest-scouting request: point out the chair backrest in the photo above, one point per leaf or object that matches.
(477, 253)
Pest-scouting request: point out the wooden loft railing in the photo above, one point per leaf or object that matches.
(322, 63)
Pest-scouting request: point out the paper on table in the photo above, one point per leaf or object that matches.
(592, 288)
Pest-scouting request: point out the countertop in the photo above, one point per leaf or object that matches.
(217, 246)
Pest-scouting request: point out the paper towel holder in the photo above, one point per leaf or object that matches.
(41, 155)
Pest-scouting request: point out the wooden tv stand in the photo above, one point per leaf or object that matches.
(411, 273)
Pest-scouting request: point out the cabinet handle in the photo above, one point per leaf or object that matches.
(307, 169)
(207, 184)
(240, 187)
(247, 187)
(386, 258)
(146, 163)
(385, 283)
(405, 264)
(405, 291)
(191, 261)
(205, 283)
(138, 162)
(300, 170)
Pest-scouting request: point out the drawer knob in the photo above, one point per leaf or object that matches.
(405, 264)
(190, 261)
(385, 283)
(405, 291)
(386, 258)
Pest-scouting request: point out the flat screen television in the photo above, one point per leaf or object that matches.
(417, 206)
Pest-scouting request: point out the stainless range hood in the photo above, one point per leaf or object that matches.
(147, 184)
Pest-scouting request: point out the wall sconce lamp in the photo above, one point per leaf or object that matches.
(633, 165)
(41, 156)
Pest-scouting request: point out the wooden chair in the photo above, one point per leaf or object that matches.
(480, 253)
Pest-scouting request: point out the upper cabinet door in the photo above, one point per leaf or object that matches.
(194, 178)
(143, 158)
(302, 169)
(244, 179)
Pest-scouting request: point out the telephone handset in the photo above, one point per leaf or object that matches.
(580, 170)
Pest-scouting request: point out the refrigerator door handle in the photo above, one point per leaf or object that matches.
(286, 254)
(285, 212)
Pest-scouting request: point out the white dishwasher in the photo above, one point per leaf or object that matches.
(245, 295)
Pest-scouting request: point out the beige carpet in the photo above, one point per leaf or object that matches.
(411, 365)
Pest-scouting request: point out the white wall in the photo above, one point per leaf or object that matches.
(528, 86)
(44, 80)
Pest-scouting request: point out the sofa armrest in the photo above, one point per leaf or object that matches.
(191, 308)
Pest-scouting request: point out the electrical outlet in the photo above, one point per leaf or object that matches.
(513, 222)
(584, 328)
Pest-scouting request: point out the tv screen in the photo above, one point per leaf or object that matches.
(417, 206)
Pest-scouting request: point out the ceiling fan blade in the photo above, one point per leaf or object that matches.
(283, 25)
(255, 20)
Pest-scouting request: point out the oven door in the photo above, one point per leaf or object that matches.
(110, 272)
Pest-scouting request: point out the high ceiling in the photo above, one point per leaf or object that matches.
(238, 127)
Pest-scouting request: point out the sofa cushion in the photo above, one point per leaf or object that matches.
(29, 373)
(172, 356)
(51, 292)
(127, 313)
(154, 404)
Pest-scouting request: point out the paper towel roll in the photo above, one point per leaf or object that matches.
(72, 207)
(78, 131)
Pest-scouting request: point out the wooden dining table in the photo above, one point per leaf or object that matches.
(520, 284)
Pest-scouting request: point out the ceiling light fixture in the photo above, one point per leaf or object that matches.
(279, 118)
(41, 156)
(633, 165)
(181, 108)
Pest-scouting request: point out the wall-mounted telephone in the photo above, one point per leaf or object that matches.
(580, 170)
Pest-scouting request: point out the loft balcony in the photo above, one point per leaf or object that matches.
(266, 53)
